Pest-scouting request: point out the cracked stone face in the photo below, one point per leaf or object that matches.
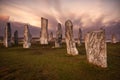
(27, 37)
(8, 35)
(58, 40)
(96, 48)
(16, 37)
(70, 43)
(44, 31)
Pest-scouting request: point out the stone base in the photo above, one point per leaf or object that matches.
(71, 48)
(57, 45)
(43, 41)
(79, 43)
(114, 41)
(27, 45)
(7, 44)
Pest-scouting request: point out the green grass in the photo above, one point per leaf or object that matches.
(46, 63)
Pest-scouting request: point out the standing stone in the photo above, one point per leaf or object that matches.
(44, 31)
(16, 37)
(70, 43)
(80, 37)
(40, 33)
(96, 48)
(27, 37)
(51, 36)
(58, 41)
(114, 39)
(8, 35)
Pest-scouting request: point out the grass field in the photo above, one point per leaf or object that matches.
(46, 63)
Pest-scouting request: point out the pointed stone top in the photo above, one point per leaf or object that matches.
(16, 30)
(8, 23)
(26, 25)
(80, 29)
(59, 24)
(68, 23)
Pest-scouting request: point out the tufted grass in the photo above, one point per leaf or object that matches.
(46, 63)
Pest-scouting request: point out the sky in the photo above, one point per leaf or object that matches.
(83, 13)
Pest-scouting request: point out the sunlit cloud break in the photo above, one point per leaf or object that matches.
(31, 11)
(85, 14)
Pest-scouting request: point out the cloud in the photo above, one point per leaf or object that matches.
(87, 14)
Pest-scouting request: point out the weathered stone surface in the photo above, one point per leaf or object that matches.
(70, 43)
(16, 37)
(96, 48)
(8, 35)
(27, 37)
(58, 40)
(51, 36)
(114, 39)
(80, 37)
(44, 31)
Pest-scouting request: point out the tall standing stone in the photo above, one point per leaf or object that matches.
(80, 37)
(114, 39)
(58, 41)
(8, 35)
(70, 43)
(51, 36)
(44, 31)
(96, 48)
(40, 33)
(16, 37)
(27, 37)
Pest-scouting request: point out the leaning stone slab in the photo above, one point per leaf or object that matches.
(70, 43)
(96, 48)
